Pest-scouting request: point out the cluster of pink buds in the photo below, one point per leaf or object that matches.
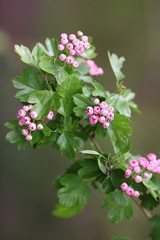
(28, 119)
(94, 70)
(101, 112)
(72, 45)
(140, 169)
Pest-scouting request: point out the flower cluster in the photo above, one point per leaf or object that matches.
(140, 169)
(101, 112)
(27, 118)
(72, 45)
(94, 70)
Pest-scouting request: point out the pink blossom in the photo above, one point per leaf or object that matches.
(151, 156)
(105, 124)
(24, 132)
(93, 119)
(102, 119)
(50, 115)
(96, 101)
(110, 116)
(89, 111)
(103, 105)
(28, 138)
(32, 126)
(136, 194)
(124, 186)
(138, 179)
(96, 110)
(62, 57)
(39, 126)
(33, 114)
(128, 173)
(60, 47)
(75, 64)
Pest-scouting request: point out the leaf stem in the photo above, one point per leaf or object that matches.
(144, 210)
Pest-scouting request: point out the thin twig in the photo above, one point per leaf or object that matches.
(144, 210)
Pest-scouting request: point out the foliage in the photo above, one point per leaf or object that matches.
(58, 94)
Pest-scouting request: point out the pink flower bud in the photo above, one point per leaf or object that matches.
(64, 35)
(32, 126)
(130, 191)
(133, 163)
(110, 109)
(128, 173)
(75, 42)
(89, 111)
(21, 113)
(69, 46)
(84, 38)
(24, 132)
(103, 105)
(104, 112)
(100, 71)
(96, 110)
(28, 138)
(26, 108)
(102, 119)
(80, 34)
(105, 124)
(136, 194)
(124, 186)
(72, 52)
(20, 122)
(151, 156)
(138, 179)
(75, 64)
(146, 175)
(64, 41)
(39, 126)
(33, 115)
(87, 45)
(110, 116)
(72, 37)
(26, 120)
(96, 101)
(93, 119)
(30, 106)
(62, 57)
(60, 47)
(143, 162)
(137, 169)
(69, 59)
(50, 115)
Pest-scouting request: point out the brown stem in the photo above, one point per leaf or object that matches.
(144, 210)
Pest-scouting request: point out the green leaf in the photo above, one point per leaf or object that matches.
(74, 191)
(117, 177)
(70, 87)
(44, 102)
(51, 45)
(46, 130)
(82, 102)
(119, 131)
(100, 131)
(48, 65)
(15, 136)
(24, 53)
(99, 90)
(123, 106)
(116, 64)
(89, 53)
(148, 201)
(87, 91)
(102, 165)
(68, 143)
(89, 170)
(152, 188)
(37, 52)
(86, 79)
(155, 229)
(28, 83)
(90, 152)
(66, 106)
(119, 206)
(63, 211)
(107, 185)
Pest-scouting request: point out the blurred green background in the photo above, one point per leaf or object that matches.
(128, 28)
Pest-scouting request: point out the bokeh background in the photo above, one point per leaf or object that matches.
(128, 28)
